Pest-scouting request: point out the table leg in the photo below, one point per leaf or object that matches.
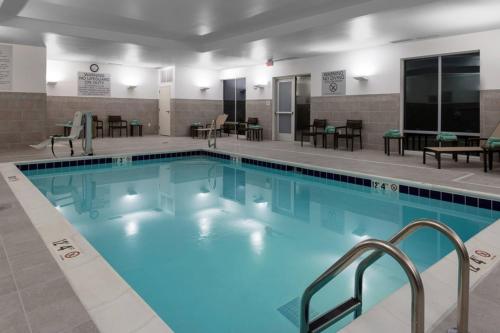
(388, 147)
(424, 156)
(403, 146)
(485, 162)
(438, 156)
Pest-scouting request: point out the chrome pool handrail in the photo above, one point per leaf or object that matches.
(463, 267)
(212, 130)
(327, 319)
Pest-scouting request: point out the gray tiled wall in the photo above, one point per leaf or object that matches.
(490, 111)
(378, 112)
(62, 109)
(22, 119)
(188, 111)
(263, 110)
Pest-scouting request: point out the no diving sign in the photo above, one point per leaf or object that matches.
(480, 259)
(65, 250)
(333, 83)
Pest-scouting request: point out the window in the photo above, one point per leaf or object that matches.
(442, 94)
(421, 94)
(235, 99)
(460, 93)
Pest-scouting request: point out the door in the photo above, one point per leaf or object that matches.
(285, 109)
(164, 116)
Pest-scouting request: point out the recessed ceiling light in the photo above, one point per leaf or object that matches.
(414, 39)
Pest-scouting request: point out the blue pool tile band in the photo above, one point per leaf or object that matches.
(461, 199)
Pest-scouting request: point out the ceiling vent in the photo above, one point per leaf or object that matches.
(167, 75)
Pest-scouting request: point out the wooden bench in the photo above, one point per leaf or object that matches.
(455, 151)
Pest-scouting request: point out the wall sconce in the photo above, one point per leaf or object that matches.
(132, 87)
(204, 190)
(51, 83)
(131, 191)
(259, 86)
(203, 89)
(361, 78)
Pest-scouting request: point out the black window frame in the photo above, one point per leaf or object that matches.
(234, 99)
(474, 130)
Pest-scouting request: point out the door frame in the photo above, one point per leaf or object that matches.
(276, 80)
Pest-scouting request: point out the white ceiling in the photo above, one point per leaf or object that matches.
(229, 33)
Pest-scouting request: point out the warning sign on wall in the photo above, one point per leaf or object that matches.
(333, 83)
(94, 84)
(6, 67)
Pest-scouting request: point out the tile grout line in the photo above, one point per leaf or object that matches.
(138, 329)
(459, 179)
(17, 287)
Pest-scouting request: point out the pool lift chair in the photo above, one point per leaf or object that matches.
(355, 304)
(81, 122)
(212, 133)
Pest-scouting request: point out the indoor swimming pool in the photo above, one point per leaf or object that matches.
(217, 246)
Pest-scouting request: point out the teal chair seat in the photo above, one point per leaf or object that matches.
(392, 133)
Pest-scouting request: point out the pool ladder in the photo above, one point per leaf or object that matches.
(355, 304)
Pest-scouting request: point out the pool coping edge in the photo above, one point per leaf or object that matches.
(388, 310)
(104, 311)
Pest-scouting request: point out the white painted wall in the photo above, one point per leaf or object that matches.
(188, 82)
(29, 63)
(382, 65)
(65, 73)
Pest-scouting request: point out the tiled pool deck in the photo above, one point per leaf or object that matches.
(35, 295)
(459, 176)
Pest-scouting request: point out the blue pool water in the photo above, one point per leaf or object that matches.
(218, 247)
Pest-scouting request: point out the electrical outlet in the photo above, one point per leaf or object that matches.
(268, 103)
(149, 124)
